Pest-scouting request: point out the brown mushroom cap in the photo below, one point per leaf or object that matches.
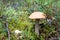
(37, 15)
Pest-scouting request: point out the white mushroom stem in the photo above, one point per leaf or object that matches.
(37, 27)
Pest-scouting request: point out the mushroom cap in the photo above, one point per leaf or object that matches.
(37, 15)
(17, 31)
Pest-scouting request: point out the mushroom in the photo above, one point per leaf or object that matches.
(18, 34)
(37, 16)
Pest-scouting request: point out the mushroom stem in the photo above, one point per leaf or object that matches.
(37, 27)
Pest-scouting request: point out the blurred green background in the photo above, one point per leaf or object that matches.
(16, 13)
